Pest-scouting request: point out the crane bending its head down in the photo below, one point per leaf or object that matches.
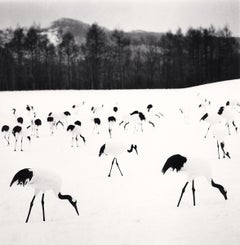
(193, 168)
(41, 181)
(115, 148)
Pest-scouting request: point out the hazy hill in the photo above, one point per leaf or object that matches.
(79, 30)
(76, 27)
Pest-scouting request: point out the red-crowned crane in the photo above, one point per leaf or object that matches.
(7, 132)
(229, 115)
(193, 167)
(220, 134)
(75, 129)
(97, 123)
(41, 181)
(20, 133)
(115, 148)
(111, 123)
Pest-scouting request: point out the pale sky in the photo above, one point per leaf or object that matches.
(148, 15)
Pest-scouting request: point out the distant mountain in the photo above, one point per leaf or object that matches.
(76, 27)
(79, 30)
(140, 36)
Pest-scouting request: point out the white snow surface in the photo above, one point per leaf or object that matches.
(139, 207)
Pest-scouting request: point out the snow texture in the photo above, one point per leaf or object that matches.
(139, 207)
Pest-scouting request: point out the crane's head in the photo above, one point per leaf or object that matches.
(149, 107)
(74, 204)
(72, 201)
(133, 147)
(14, 111)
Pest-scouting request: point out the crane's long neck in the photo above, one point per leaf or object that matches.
(70, 199)
(220, 188)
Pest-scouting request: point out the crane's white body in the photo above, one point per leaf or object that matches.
(213, 116)
(116, 147)
(76, 131)
(229, 114)
(44, 180)
(219, 131)
(197, 167)
(60, 117)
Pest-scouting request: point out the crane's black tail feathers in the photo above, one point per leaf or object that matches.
(70, 199)
(101, 151)
(175, 162)
(5, 128)
(22, 177)
(70, 127)
(220, 188)
(204, 117)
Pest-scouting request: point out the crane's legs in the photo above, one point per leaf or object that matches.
(21, 144)
(76, 138)
(207, 131)
(236, 128)
(114, 159)
(43, 211)
(193, 191)
(72, 141)
(119, 167)
(229, 133)
(183, 190)
(30, 208)
(15, 147)
(218, 150)
(37, 135)
(109, 175)
(7, 139)
(110, 132)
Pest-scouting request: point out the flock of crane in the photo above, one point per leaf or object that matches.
(220, 119)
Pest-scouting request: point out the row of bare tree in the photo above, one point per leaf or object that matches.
(114, 60)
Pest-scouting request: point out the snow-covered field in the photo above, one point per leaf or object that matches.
(138, 207)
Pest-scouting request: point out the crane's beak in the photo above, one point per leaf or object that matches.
(135, 148)
(75, 206)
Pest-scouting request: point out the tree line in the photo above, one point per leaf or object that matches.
(114, 60)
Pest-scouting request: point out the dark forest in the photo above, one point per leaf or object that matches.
(116, 60)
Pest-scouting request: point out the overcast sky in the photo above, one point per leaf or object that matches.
(149, 15)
